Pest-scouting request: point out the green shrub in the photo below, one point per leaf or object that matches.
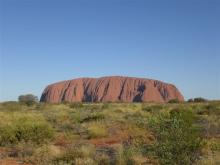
(25, 128)
(173, 101)
(177, 139)
(190, 100)
(199, 99)
(28, 99)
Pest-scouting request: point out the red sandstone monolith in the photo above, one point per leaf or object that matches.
(110, 89)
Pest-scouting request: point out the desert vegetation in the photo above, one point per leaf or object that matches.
(110, 133)
(28, 99)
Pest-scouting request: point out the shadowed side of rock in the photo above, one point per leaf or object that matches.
(110, 89)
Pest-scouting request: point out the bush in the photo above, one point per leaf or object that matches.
(177, 139)
(190, 100)
(173, 101)
(197, 100)
(25, 128)
(28, 99)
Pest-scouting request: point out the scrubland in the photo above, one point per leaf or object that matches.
(110, 133)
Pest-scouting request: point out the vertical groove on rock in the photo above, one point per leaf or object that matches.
(105, 91)
(62, 96)
(122, 89)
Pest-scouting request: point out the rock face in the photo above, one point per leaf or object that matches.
(110, 89)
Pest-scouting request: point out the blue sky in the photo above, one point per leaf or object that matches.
(44, 41)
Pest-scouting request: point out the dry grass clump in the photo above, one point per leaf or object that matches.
(97, 130)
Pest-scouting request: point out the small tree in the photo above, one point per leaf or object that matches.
(199, 99)
(190, 100)
(28, 99)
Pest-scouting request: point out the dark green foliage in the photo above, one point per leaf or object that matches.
(190, 100)
(28, 99)
(173, 101)
(177, 139)
(197, 100)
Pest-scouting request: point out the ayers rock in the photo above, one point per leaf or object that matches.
(110, 89)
